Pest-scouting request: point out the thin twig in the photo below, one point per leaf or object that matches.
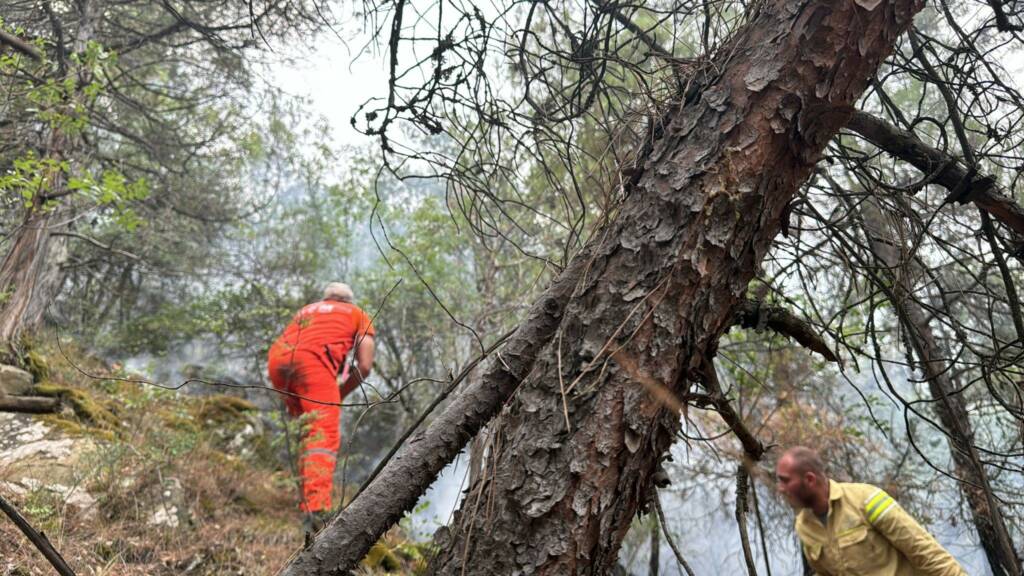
(668, 535)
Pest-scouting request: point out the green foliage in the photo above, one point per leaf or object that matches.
(31, 176)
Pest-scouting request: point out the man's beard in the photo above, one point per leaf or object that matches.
(803, 498)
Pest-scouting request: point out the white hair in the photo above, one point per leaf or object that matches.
(338, 291)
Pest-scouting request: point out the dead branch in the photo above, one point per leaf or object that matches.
(37, 538)
(980, 189)
(29, 404)
(742, 488)
(668, 535)
(755, 314)
(19, 45)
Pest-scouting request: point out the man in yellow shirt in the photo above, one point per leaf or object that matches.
(850, 529)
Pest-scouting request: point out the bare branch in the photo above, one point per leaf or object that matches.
(95, 243)
(19, 45)
(754, 314)
(668, 535)
(37, 538)
(982, 190)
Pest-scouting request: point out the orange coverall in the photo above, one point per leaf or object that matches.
(305, 361)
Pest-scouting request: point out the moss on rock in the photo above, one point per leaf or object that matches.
(87, 409)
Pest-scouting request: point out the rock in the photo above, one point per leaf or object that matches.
(14, 381)
(165, 516)
(241, 442)
(30, 448)
(172, 511)
(75, 496)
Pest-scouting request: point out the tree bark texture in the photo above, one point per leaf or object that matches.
(948, 400)
(638, 309)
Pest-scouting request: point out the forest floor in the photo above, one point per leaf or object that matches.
(132, 479)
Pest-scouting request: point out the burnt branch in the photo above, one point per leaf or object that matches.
(38, 539)
(757, 315)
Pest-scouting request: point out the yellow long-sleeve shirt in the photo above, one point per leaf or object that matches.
(866, 533)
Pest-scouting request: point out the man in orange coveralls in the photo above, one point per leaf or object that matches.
(305, 361)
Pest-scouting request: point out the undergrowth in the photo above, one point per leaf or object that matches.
(183, 484)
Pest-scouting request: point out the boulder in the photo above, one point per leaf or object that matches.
(14, 381)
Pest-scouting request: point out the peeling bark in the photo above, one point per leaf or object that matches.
(663, 287)
(656, 289)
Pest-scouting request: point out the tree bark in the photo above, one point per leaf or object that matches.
(948, 401)
(645, 302)
(29, 274)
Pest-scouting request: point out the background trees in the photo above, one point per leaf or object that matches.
(203, 209)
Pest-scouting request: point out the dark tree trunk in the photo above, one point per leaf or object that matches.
(654, 562)
(637, 311)
(948, 401)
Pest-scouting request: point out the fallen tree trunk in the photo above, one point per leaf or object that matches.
(646, 301)
(29, 404)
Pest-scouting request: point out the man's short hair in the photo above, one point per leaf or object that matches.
(338, 291)
(806, 460)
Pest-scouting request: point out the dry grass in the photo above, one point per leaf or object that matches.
(205, 461)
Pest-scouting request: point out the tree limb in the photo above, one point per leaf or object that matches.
(982, 190)
(637, 31)
(19, 45)
(668, 535)
(95, 243)
(37, 538)
(29, 404)
(742, 490)
(754, 314)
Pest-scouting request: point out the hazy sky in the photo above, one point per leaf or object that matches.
(334, 80)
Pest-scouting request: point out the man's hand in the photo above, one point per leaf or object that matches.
(364, 363)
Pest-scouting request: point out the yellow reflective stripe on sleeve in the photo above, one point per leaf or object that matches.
(879, 508)
(874, 500)
(884, 510)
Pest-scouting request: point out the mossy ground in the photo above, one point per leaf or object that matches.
(205, 457)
